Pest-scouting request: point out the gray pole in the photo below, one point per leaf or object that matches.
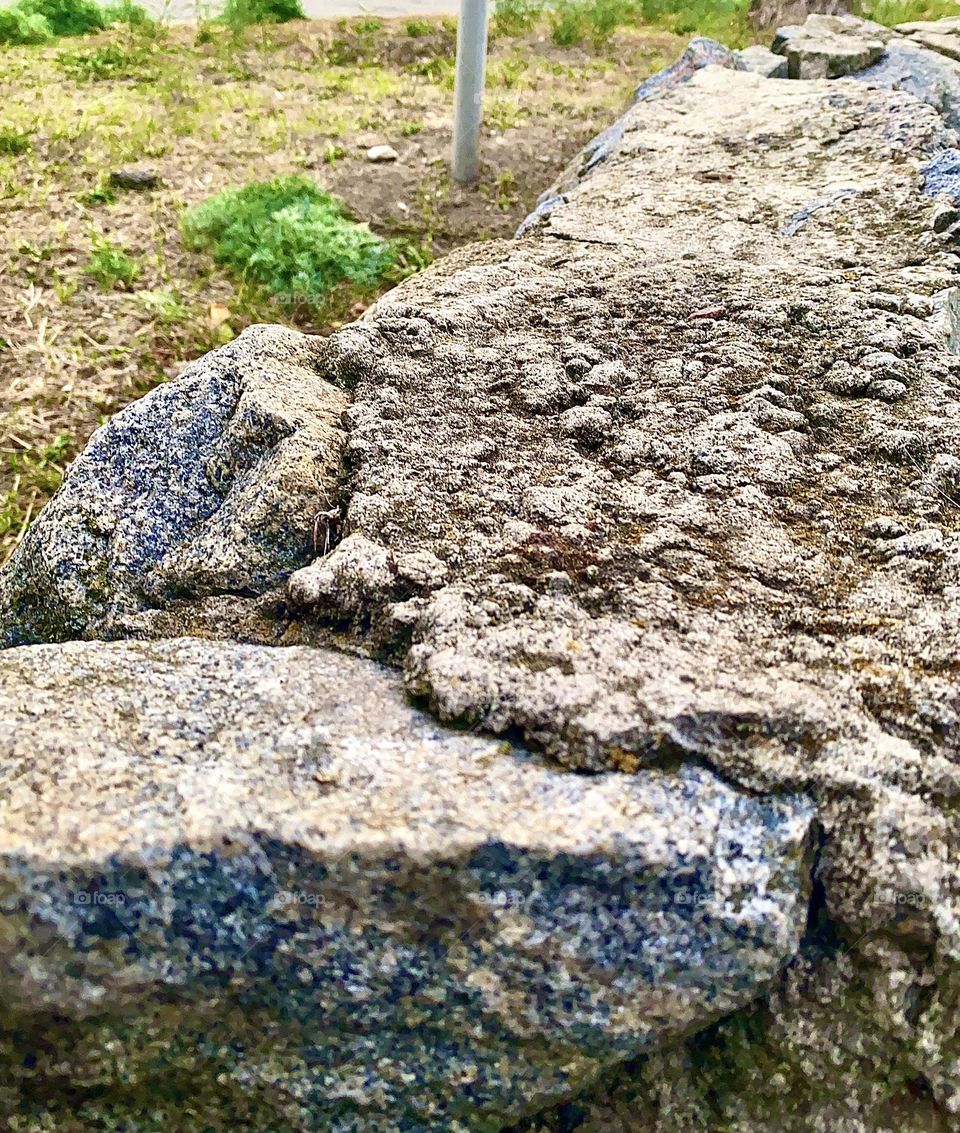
(468, 91)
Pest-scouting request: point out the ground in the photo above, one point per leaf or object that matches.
(206, 111)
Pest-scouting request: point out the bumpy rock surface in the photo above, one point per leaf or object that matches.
(671, 481)
(213, 484)
(682, 467)
(244, 862)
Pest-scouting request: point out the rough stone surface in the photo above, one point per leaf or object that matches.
(762, 61)
(381, 154)
(217, 483)
(850, 1042)
(673, 481)
(655, 446)
(931, 77)
(138, 180)
(266, 858)
(826, 47)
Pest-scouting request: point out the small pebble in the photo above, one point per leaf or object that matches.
(140, 180)
(379, 155)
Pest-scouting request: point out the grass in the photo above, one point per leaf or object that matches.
(291, 238)
(39, 21)
(894, 12)
(576, 22)
(239, 14)
(110, 265)
(34, 475)
(91, 322)
(110, 61)
(14, 141)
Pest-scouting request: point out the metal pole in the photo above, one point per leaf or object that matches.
(468, 90)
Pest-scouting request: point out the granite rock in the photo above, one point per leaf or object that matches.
(214, 484)
(762, 61)
(909, 67)
(656, 448)
(257, 879)
(670, 482)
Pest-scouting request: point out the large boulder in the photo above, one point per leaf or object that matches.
(259, 871)
(668, 490)
(683, 462)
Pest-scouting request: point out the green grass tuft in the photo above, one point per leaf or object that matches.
(111, 61)
(14, 142)
(516, 17)
(894, 12)
(109, 264)
(67, 17)
(417, 28)
(290, 238)
(239, 14)
(36, 475)
(38, 21)
(20, 27)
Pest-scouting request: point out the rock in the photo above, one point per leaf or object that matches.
(776, 13)
(256, 878)
(931, 77)
(701, 52)
(826, 47)
(210, 485)
(827, 1051)
(139, 180)
(941, 175)
(381, 154)
(941, 36)
(692, 582)
(762, 61)
(611, 489)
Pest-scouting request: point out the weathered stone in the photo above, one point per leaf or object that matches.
(762, 61)
(381, 154)
(673, 480)
(826, 47)
(932, 78)
(701, 52)
(692, 582)
(261, 870)
(941, 36)
(852, 1042)
(210, 485)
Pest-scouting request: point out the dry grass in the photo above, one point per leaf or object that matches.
(206, 111)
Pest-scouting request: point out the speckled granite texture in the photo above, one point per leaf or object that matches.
(265, 857)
